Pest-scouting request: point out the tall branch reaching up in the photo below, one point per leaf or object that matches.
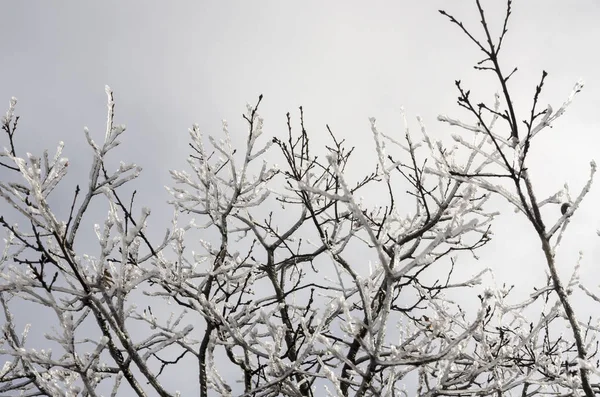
(517, 166)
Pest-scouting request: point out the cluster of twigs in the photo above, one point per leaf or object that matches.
(297, 286)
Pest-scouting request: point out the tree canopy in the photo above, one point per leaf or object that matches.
(284, 280)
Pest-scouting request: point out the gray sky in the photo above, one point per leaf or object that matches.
(175, 63)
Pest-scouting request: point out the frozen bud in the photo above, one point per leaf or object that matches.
(564, 208)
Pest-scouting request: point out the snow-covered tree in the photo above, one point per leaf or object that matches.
(297, 279)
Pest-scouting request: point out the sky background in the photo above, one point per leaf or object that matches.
(172, 64)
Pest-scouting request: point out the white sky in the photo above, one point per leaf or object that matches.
(175, 63)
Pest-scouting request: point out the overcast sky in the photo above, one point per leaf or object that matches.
(172, 64)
